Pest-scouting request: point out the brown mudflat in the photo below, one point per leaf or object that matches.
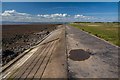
(17, 38)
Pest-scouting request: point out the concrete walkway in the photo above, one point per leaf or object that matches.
(89, 56)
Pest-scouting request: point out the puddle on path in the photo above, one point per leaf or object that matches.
(79, 55)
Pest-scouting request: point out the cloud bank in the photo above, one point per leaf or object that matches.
(14, 16)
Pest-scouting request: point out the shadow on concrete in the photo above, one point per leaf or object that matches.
(79, 55)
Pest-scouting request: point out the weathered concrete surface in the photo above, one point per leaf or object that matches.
(46, 60)
(99, 59)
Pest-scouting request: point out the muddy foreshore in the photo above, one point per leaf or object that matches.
(18, 38)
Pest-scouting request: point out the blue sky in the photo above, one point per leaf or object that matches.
(98, 10)
(60, 0)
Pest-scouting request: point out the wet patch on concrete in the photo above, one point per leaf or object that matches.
(79, 55)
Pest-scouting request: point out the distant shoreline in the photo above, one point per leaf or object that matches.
(18, 23)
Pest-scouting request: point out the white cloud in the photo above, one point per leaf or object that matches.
(53, 15)
(79, 16)
(12, 15)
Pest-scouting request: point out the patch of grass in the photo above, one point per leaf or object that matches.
(106, 31)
